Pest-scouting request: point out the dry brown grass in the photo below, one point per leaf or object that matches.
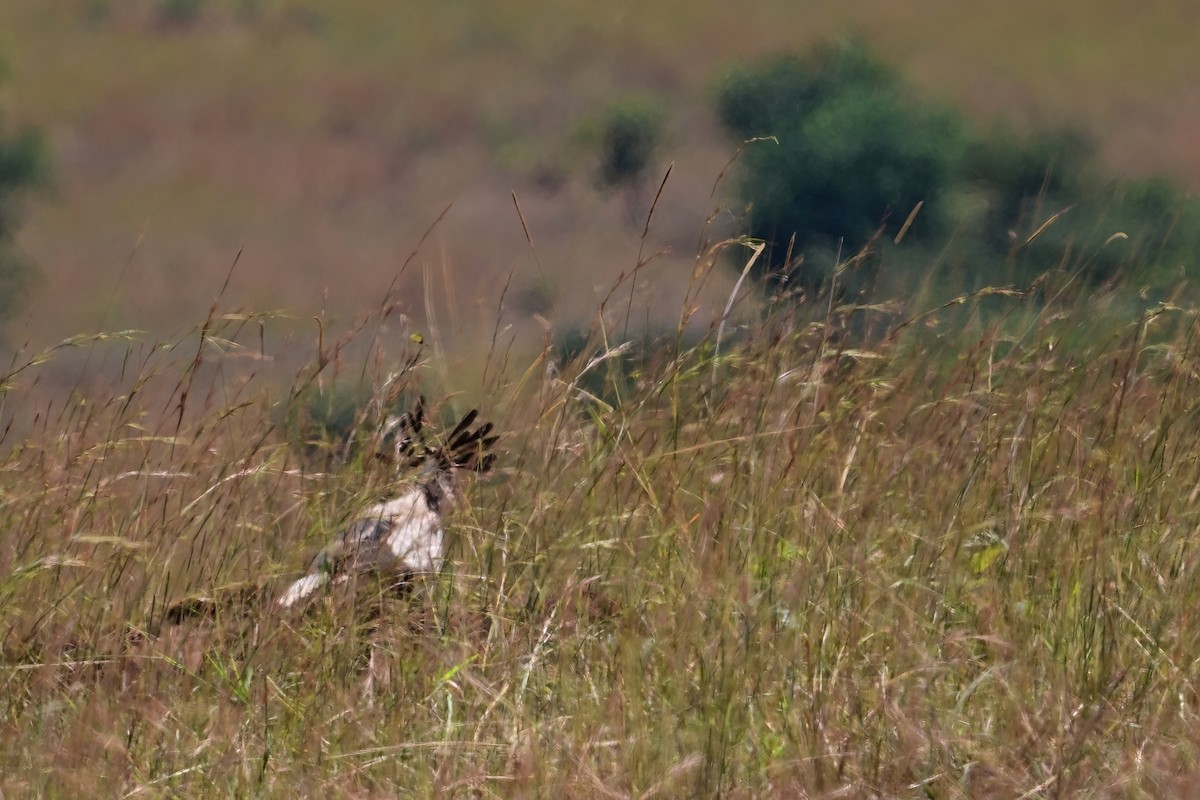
(861, 553)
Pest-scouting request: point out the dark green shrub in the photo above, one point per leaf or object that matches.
(23, 165)
(839, 151)
(629, 135)
(1144, 229)
(854, 152)
(771, 96)
(1048, 204)
(1021, 177)
(180, 12)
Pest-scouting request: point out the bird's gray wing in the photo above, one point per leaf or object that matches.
(359, 546)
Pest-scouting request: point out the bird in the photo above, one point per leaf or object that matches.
(404, 535)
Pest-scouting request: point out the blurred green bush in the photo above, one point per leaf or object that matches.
(840, 152)
(24, 164)
(630, 133)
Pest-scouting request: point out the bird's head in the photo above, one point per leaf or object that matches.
(463, 448)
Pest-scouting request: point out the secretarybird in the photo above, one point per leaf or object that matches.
(404, 536)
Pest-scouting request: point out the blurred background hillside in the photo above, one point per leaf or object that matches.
(324, 139)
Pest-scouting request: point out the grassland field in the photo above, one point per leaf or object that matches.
(763, 549)
(835, 551)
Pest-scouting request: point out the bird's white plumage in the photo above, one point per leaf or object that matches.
(303, 588)
(416, 539)
(403, 536)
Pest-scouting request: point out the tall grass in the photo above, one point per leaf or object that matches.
(861, 552)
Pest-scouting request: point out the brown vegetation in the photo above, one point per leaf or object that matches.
(869, 552)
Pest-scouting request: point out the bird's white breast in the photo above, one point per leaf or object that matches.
(415, 537)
